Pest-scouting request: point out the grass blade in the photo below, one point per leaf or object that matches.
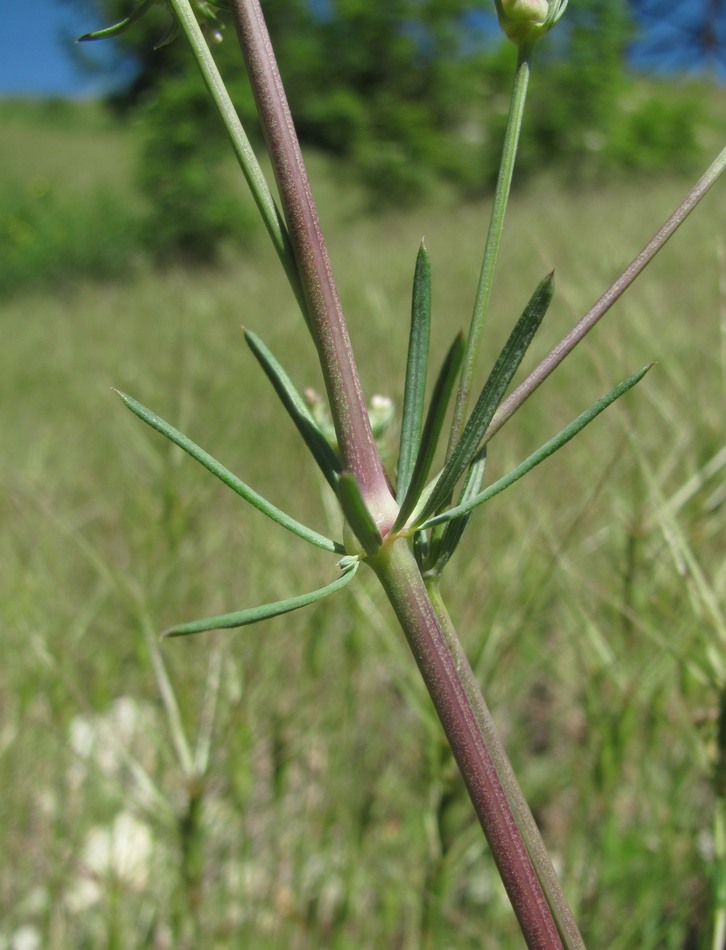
(243, 618)
(432, 429)
(228, 478)
(542, 453)
(491, 395)
(414, 393)
(297, 409)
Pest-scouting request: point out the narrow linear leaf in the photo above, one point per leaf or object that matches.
(454, 530)
(432, 429)
(492, 394)
(298, 411)
(542, 453)
(119, 27)
(243, 618)
(228, 478)
(414, 393)
(357, 514)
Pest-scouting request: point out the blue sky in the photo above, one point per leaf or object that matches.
(37, 35)
(682, 36)
(35, 39)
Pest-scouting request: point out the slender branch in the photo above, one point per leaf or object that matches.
(494, 237)
(442, 673)
(246, 157)
(327, 324)
(599, 309)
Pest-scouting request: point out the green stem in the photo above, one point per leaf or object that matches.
(246, 157)
(191, 841)
(494, 237)
(327, 324)
(719, 874)
(444, 675)
(520, 809)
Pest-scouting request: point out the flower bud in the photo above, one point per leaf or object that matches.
(525, 21)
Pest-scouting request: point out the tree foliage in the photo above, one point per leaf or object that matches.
(589, 116)
(406, 92)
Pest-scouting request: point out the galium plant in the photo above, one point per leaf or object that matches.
(406, 526)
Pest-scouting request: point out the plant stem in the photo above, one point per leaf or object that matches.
(601, 307)
(358, 450)
(444, 668)
(719, 874)
(246, 157)
(494, 237)
(520, 809)
(444, 676)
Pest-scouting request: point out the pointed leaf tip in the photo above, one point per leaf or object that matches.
(229, 478)
(543, 452)
(117, 28)
(243, 618)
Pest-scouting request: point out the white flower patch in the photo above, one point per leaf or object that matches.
(24, 938)
(115, 744)
(121, 852)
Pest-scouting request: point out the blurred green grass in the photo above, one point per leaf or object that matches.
(67, 201)
(332, 816)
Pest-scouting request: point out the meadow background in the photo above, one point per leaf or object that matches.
(286, 786)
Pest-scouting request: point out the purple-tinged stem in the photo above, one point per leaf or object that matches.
(599, 309)
(399, 574)
(359, 453)
(541, 860)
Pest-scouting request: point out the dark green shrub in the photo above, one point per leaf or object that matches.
(659, 132)
(48, 240)
(407, 92)
(590, 118)
(190, 213)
